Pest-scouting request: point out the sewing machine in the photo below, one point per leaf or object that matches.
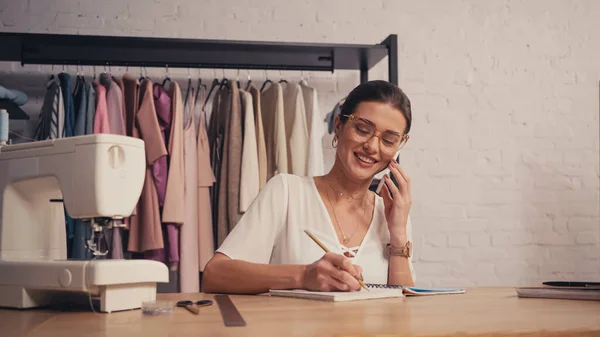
(97, 178)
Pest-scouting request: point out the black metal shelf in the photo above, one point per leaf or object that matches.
(30, 48)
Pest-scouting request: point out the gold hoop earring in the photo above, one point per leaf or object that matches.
(334, 142)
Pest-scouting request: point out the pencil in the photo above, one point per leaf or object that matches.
(314, 238)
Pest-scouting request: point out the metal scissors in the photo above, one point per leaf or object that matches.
(192, 306)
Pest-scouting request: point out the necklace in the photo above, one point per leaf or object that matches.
(345, 239)
(349, 197)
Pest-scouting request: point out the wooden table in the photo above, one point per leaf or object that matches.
(479, 312)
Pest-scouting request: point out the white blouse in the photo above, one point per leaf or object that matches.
(272, 230)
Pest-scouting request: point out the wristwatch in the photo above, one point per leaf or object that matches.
(405, 251)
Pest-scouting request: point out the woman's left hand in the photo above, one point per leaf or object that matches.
(397, 201)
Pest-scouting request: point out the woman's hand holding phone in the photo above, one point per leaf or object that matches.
(397, 200)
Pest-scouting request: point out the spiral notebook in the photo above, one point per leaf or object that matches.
(376, 291)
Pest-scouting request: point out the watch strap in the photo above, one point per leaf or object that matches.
(405, 251)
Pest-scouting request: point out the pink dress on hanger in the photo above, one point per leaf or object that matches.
(101, 124)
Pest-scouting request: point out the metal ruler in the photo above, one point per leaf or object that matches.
(231, 316)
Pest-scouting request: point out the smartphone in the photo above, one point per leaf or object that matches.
(380, 186)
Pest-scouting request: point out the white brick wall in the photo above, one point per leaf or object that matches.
(505, 144)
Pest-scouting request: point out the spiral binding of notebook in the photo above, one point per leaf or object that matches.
(382, 286)
(414, 291)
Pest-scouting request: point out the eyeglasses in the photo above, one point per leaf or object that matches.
(363, 130)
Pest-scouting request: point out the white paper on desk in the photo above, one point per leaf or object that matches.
(339, 296)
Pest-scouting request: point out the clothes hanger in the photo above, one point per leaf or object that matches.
(198, 90)
(266, 81)
(77, 79)
(214, 84)
(281, 80)
(224, 81)
(189, 87)
(200, 85)
(303, 80)
(82, 75)
(203, 111)
(249, 81)
(167, 78)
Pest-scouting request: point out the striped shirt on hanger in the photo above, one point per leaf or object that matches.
(52, 114)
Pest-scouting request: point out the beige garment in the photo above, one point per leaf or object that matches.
(249, 181)
(231, 165)
(316, 130)
(145, 232)
(296, 128)
(271, 105)
(198, 112)
(206, 179)
(173, 208)
(260, 136)
(188, 238)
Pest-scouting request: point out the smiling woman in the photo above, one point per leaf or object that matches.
(368, 235)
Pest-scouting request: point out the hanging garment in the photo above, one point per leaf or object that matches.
(131, 91)
(145, 226)
(296, 128)
(69, 127)
(216, 135)
(52, 114)
(117, 249)
(200, 113)
(260, 136)
(80, 99)
(160, 170)
(91, 108)
(173, 213)
(79, 249)
(162, 103)
(114, 102)
(122, 87)
(249, 180)
(131, 100)
(81, 231)
(206, 179)
(101, 123)
(229, 179)
(271, 105)
(65, 86)
(316, 130)
(188, 266)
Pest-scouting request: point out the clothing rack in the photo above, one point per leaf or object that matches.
(31, 48)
